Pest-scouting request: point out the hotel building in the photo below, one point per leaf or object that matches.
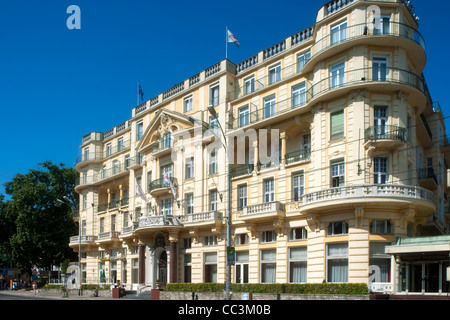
(357, 159)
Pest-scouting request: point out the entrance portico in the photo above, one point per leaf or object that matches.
(422, 265)
(158, 260)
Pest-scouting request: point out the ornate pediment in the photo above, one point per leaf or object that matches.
(164, 122)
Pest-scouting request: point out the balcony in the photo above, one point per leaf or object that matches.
(158, 222)
(390, 34)
(387, 136)
(162, 147)
(89, 157)
(127, 232)
(160, 186)
(298, 156)
(241, 170)
(376, 79)
(85, 240)
(205, 218)
(262, 211)
(392, 196)
(427, 178)
(107, 238)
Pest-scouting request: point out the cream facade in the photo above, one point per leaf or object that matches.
(358, 159)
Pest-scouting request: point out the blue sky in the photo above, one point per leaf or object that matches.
(56, 84)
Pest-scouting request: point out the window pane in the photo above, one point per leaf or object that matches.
(337, 125)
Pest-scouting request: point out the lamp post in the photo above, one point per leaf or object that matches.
(70, 203)
(213, 112)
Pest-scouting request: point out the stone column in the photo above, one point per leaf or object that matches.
(173, 262)
(141, 275)
(173, 276)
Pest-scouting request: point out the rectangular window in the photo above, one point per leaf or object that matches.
(214, 95)
(187, 269)
(379, 69)
(102, 272)
(134, 270)
(210, 267)
(381, 261)
(380, 120)
(268, 236)
(210, 241)
(187, 243)
(268, 266)
(337, 125)
(167, 141)
(269, 190)
(167, 170)
(86, 154)
(189, 167)
(116, 167)
(339, 33)
(213, 165)
(120, 144)
(113, 222)
(189, 203)
(241, 239)
(244, 116)
(108, 150)
(381, 227)
(213, 200)
(167, 207)
(298, 234)
(337, 174)
(249, 85)
(242, 197)
(139, 130)
(274, 74)
(380, 171)
(83, 227)
(383, 27)
(298, 95)
(188, 104)
(298, 186)
(337, 262)
(124, 271)
(297, 265)
(241, 267)
(337, 75)
(337, 228)
(102, 225)
(269, 107)
(302, 60)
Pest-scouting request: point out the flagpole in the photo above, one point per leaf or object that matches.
(226, 42)
(137, 94)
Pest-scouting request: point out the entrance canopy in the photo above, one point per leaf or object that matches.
(421, 248)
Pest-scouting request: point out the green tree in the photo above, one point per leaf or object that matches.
(42, 225)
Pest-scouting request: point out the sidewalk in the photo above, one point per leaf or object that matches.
(42, 294)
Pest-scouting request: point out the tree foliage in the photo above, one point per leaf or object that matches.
(36, 224)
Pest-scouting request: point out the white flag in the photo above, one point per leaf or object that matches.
(232, 38)
(139, 191)
(169, 182)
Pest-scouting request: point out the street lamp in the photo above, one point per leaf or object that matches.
(213, 112)
(67, 201)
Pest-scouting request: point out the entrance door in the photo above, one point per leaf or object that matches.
(162, 268)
